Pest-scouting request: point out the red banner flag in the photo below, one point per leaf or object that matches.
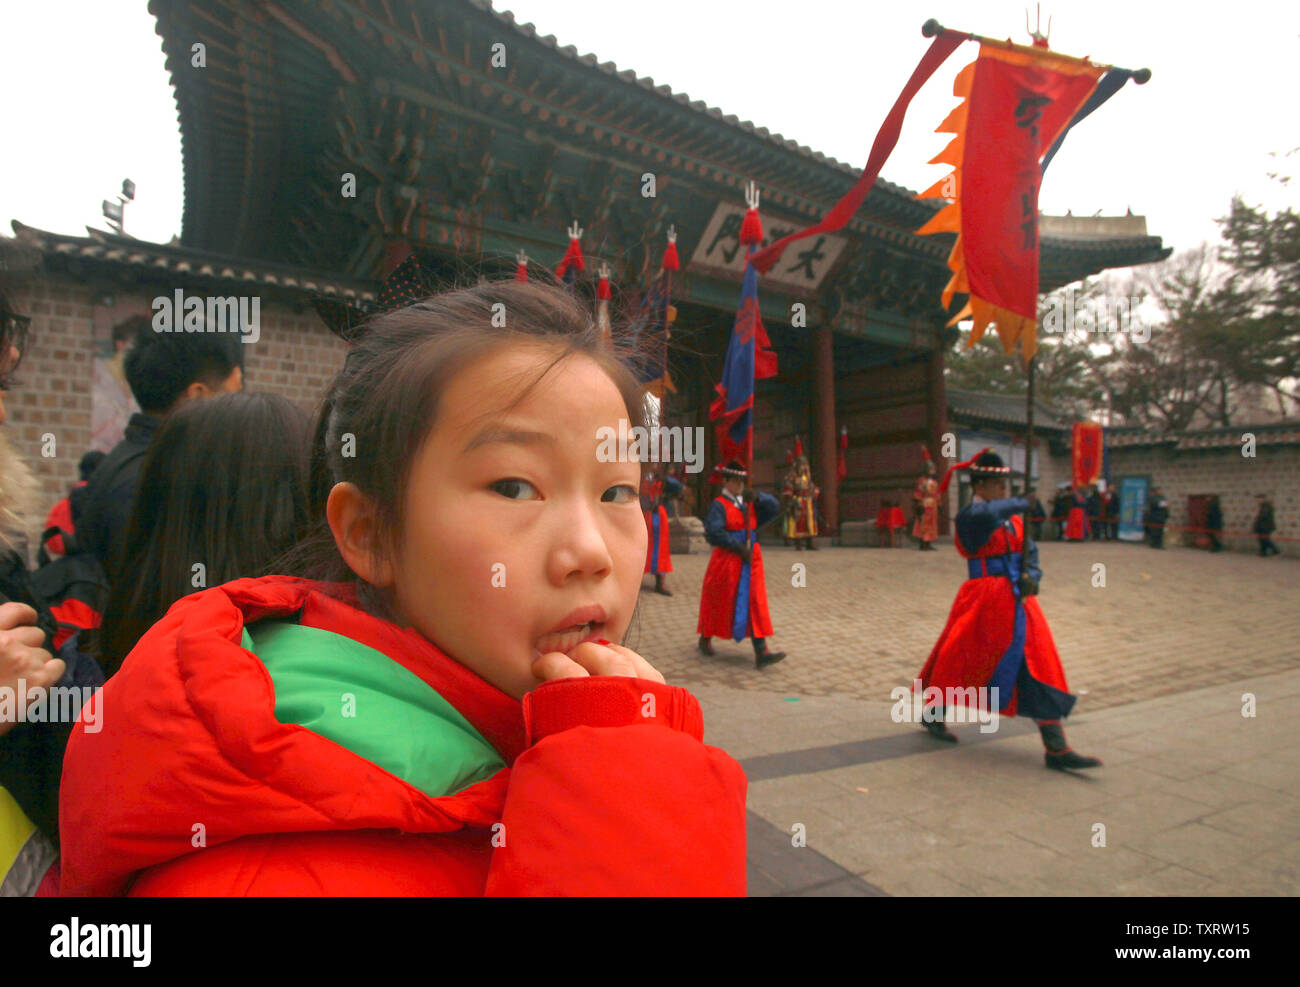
(1086, 457)
(844, 210)
(1016, 102)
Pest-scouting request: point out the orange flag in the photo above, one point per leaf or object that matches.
(1016, 101)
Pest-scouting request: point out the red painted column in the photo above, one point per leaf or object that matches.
(827, 444)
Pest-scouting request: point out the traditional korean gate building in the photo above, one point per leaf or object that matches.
(468, 137)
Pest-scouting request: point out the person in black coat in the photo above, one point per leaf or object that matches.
(1096, 522)
(1264, 526)
(1157, 515)
(1214, 523)
(164, 370)
(1060, 511)
(1036, 514)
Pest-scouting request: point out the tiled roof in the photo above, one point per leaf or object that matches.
(169, 259)
(1001, 409)
(1269, 433)
(630, 77)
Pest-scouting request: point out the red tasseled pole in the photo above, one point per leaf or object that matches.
(572, 258)
(789, 458)
(602, 289)
(751, 230)
(521, 272)
(671, 263)
(798, 446)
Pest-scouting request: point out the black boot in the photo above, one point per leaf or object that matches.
(932, 720)
(1058, 755)
(659, 586)
(763, 657)
(705, 647)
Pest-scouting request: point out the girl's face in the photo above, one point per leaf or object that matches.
(517, 539)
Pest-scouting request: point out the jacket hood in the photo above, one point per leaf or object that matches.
(189, 752)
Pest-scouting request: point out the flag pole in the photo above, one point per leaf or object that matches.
(1029, 460)
(933, 29)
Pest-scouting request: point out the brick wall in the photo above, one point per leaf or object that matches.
(296, 356)
(1275, 471)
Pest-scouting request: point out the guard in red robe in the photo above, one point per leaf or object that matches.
(658, 559)
(733, 602)
(1076, 524)
(996, 635)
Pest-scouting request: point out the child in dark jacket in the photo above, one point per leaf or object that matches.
(441, 707)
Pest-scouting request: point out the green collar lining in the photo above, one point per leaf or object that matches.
(361, 699)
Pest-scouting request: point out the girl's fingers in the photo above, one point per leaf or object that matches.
(644, 669)
(602, 659)
(591, 658)
(557, 665)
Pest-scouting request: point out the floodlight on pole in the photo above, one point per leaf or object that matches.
(115, 212)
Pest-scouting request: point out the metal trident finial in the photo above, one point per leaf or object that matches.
(575, 231)
(604, 270)
(1039, 38)
(751, 195)
(672, 234)
(522, 257)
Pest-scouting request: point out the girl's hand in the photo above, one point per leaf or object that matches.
(593, 658)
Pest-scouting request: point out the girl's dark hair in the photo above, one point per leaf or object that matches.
(383, 404)
(224, 484)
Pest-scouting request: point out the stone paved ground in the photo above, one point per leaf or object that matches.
(1164, 622)
(1194, 798)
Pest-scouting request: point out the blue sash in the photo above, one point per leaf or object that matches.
(740, 620)
(740, 625)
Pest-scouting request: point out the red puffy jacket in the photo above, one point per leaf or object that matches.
(191, 786)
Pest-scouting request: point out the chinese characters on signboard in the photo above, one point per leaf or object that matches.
(802, 268)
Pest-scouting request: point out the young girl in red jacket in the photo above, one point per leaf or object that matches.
(439, 708)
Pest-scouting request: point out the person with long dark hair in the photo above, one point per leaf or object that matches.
(222, 494)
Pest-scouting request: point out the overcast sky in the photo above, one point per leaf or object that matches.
(87, 101)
